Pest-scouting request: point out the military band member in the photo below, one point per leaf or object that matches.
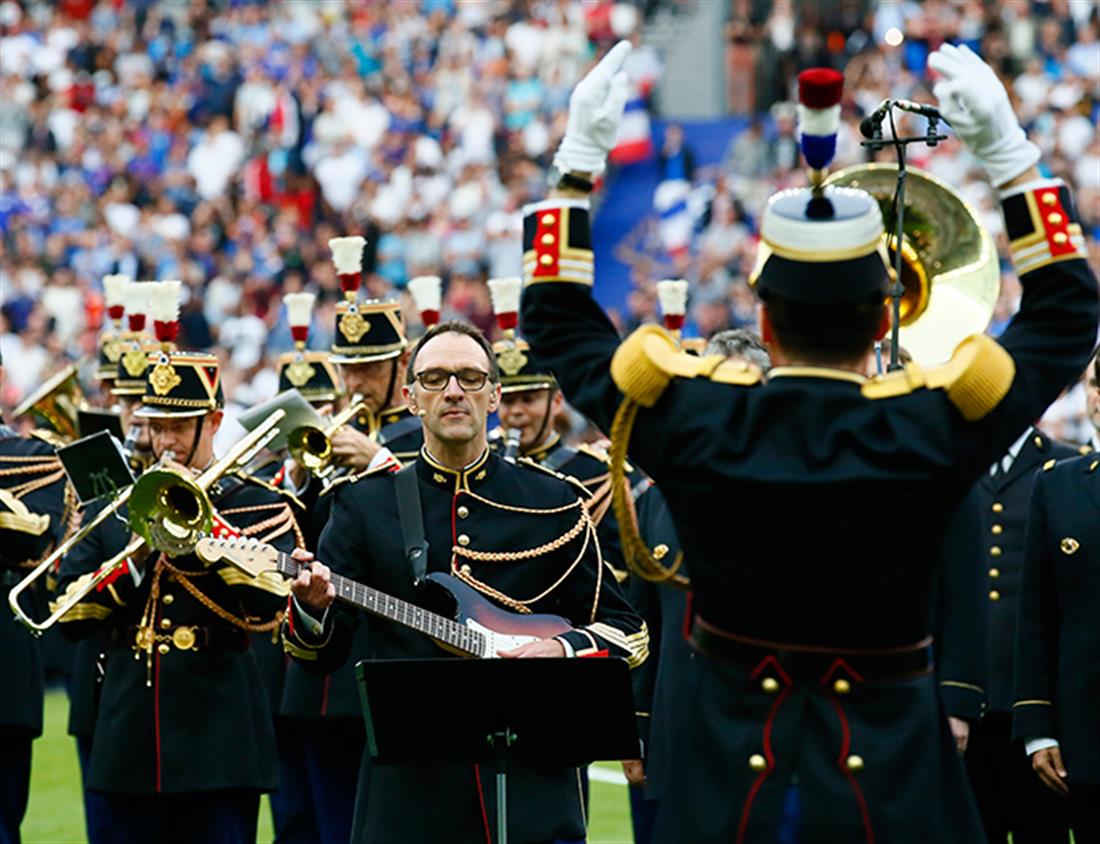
(371, 350)
(183, 742)
(1009, 797)
(1092, 399)
(1057, 681)
(813, 687)
(32, 520)
(515, 533)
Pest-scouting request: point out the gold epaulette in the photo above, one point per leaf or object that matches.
(278, 490)
(1084, 449)
(355, 476)
(569, 479)
(976, 379)
(594, 452)
(649, 359)
(1050, 464)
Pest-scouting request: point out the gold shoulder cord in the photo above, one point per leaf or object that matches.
(636, 553)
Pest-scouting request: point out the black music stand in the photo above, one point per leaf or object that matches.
(512, 713)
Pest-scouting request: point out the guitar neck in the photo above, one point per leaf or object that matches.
(445, 630)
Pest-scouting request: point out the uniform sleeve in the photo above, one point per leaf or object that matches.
(341, 548)
(1037, 626)
(643, 597)
(80, 565)
(605, 623)
(1050, 338)
(960, 631)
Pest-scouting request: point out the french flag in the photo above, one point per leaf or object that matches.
(676, 223)
(634, 142)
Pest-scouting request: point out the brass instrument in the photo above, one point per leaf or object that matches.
(311, 447)
(949, 263)
(169, 512)
(56, 403)
(511, 444)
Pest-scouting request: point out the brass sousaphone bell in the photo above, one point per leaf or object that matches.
(57, 403)
(949, 263)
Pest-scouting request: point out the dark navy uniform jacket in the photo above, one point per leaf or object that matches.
(21, 543)
(484, 509)
(847, 488)
(1057, 686)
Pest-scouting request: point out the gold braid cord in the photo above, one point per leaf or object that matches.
(583, 523)
(635, 552)
(31, 465)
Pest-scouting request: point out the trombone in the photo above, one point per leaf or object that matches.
(57, 403)
(311, 447)
(170, 512)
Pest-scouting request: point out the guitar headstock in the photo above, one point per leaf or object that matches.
(249, 555)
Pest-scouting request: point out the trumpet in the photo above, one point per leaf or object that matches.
(169, 513)
(311, 447)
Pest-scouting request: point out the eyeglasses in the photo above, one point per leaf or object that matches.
(436, 380)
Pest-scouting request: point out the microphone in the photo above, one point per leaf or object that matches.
(869, 126)
(919, 108)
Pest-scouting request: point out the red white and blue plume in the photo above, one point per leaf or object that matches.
(819, 93)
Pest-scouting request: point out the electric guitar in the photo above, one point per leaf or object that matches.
(477, 628)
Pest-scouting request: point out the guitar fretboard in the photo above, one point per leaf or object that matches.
(439, 627)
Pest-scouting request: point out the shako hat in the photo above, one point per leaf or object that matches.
(309, 371)
(177, 383)
(520, 369)
(110, 340)
(820, 244)
(368, 331)
(136, 341)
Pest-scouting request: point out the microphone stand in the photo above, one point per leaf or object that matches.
(931, 137)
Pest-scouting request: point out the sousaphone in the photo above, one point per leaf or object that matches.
(949, 262)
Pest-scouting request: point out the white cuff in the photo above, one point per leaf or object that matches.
(381, 456)
(1034, 184)
(1034, 745)
(569, 652)
(558, 202)
(288, 480)
(315, 627)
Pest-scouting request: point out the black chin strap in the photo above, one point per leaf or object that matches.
(541, 435)
(393, 382)
(195, 441)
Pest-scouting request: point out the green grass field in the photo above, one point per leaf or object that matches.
(56, 810)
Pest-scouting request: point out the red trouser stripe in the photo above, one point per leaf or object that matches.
(842, 763)
(156, 713)
(481, 800)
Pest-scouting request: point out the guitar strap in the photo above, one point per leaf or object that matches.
(407, 489)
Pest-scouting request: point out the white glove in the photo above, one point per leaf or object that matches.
(595, 111)
(975, 103)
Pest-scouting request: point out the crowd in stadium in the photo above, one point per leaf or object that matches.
(223, 143)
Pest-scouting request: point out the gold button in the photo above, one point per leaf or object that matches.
(165, 623)
(996, 530)
(855, 763)
(758, 762)
(660, 551)
(546, 260)
(995, 551)
(168, 599)
(363, 420)
(998, 507)
(1049, 199)
(1060, 238)
(463, 540)
(994, 595)
(547, 219)
(994, 573)
(842, 686)
(547, 239)
(770, 685)
(463, 512)
(163, 648)
(465, 568)
(1054, 218)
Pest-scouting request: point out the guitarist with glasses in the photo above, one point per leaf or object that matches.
(518, 535)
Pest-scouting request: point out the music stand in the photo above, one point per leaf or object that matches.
(512, 713)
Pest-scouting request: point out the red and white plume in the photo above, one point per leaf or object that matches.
(673, 296)
(114, 291)
(347, 257)
(135, 299)
(164, 305)
(299, 313)
(427, 293)
(505, 293)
